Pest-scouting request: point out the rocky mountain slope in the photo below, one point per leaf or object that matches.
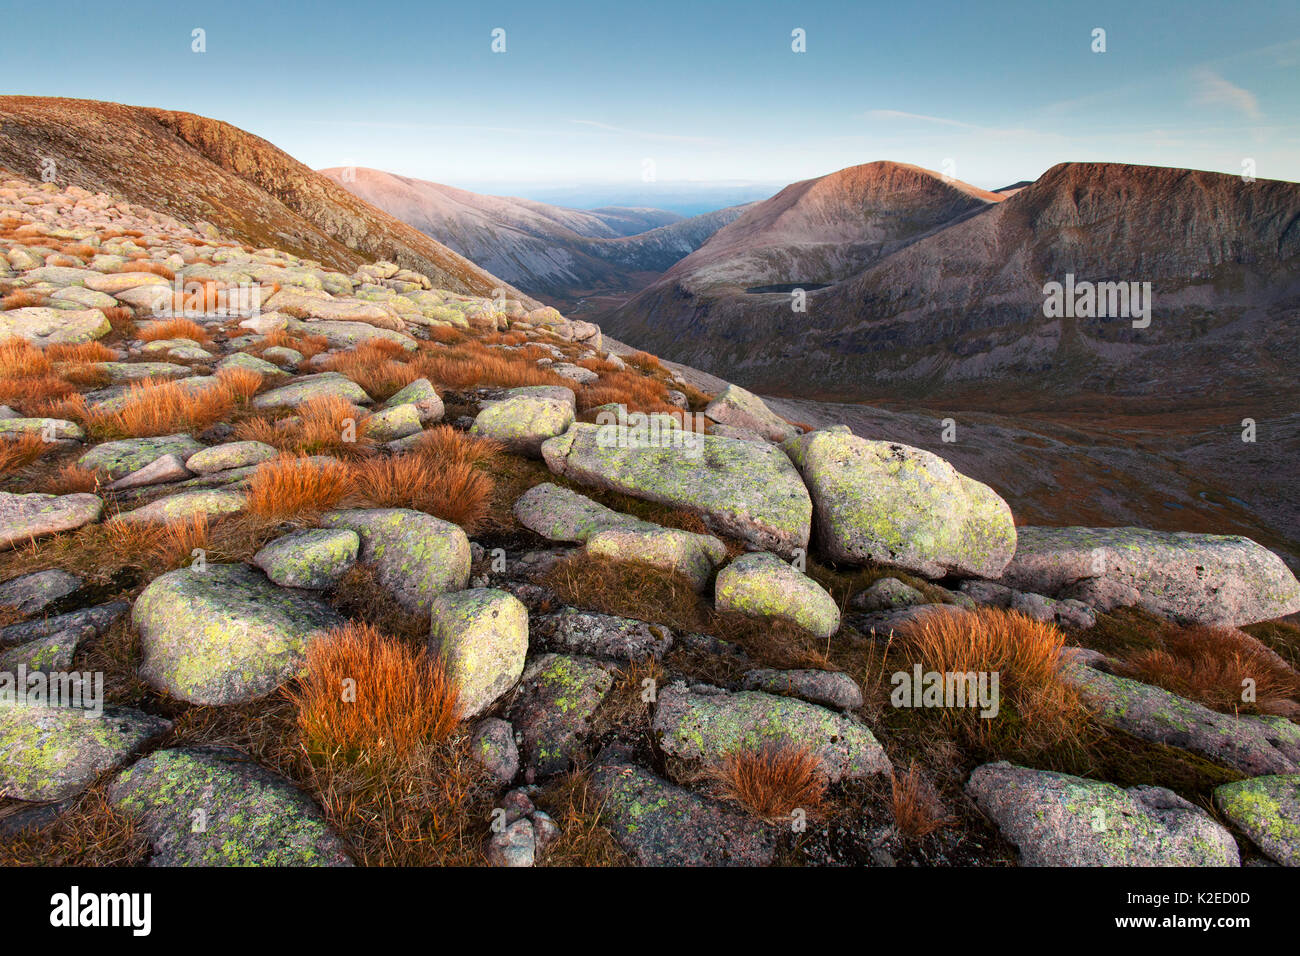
(552, 252)
(204, 170)
(583, 612)
(959, 311)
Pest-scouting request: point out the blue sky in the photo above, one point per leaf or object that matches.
(589, 92)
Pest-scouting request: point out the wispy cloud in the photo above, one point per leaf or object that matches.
(1213, 90)
(900, 114)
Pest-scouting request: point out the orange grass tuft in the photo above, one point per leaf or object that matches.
(773, 783)
(16, 453)
(173, 329)
(163, 408)
(291, 487)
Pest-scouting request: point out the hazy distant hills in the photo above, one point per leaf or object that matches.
(200, 169)
(923, 287)
(553, 252)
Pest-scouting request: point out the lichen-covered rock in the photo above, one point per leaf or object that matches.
(559, 393)
(346, 335)
(559, 514)
(887, 594)
(762, 585)
(49, 653)
(1154, 714)
(1266, 809)
(117, 459)
(482, 636)
(423, 396)
(208, 502)
(658, 824)
(100, 617)
(160, 471)
(706, 725)
(601, 635)
(415, 556)
(242, 360)
(30, 593)
(235, 454)
(522, 423)
(389, 424)
(493, 745)
(1060, 820)
(49, 753)
(24, 517)
(44, 326)
(828, 688)
(695, 556)
(1191, 578)
(51, 429)
(739, 488)
(213, 806)
(314, 558)
(557, 696)
(306, 388)
(225, 634)
(878, 501)
(738, 408)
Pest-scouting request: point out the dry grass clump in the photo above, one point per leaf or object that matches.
(71, 479)
(122, 319)
(147, 265)
(644, 361)
(374, 366)
(323, 426)
(1037, 709)
(293, 487)
(241, 383)
(162, 408)
(80, 353)
(1214, 666)
(917, 809)
(640, 393)
(773, 782)
(16, 453)
(306, 345)
(91, 832)
(23, 299)
(364, 691)
(442, 475)
(584, 840)
(174, 329)
(469, 364)
(170, 544)
(19, 359)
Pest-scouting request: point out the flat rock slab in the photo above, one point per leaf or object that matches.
(44, 326)
(117, 459)
(24, 517)
(225, 634)
(416, 556)
(215, 807)
(1190, 578)
(695, 556)
(762, 585)
(741, 409)
(50, 653)
(739, 488)
(100, 617)
(827, 688)
(877, 501)
(51, 429)
(235, 454)
(307, 388)
(314, 558)
(31, 593)
(552, 710)
(559, 514)
(601, 635)
(658, 824)
(185, 505)
(164, 470)
(706, 725)
(1151, 713)
(50, 753)
(1266, 809)
(522, 423)
(481, 634)
(1060, 820)
(345, 335)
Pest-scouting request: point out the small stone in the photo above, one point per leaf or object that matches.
(314, 558)
(493, 745)
(763, 585)
(482, 637)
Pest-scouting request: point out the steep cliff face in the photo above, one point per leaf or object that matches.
(961, 307)
(200, 169)
(546, 250)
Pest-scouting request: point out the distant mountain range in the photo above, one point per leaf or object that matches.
(553, 252)
(916, 286)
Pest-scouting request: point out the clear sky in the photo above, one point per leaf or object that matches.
(589, 92)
